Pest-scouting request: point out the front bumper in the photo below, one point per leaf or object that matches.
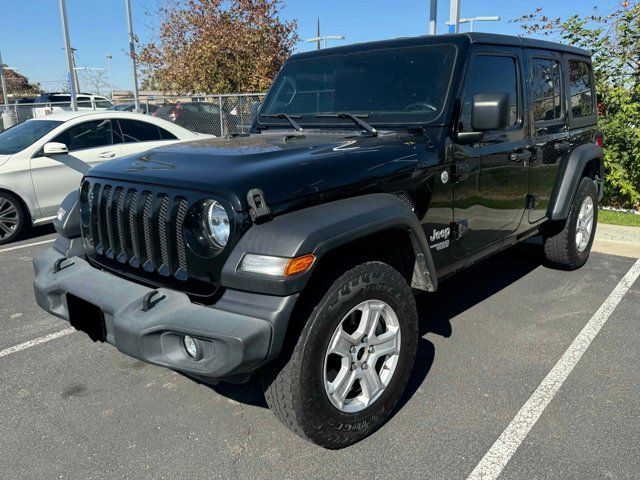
(239, 333)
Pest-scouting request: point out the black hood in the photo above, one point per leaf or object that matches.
(286, 167)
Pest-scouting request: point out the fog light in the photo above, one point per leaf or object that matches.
(61, 213)
(191, 346)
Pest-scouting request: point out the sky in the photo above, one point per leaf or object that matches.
(31, 33)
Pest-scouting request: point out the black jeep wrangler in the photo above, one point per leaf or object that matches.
(371, 172)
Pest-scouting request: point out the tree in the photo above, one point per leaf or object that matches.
(217, 46)
(97, 79)
(614, 42)
(18, 85)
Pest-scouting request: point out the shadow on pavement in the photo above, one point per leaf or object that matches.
(435, 310)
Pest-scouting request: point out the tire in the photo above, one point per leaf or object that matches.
(12, 217)
(296, 389)
(569, 248)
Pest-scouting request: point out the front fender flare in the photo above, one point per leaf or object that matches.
(319, 230)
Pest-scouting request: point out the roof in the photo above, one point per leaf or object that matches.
(64, 116)
(469, 38)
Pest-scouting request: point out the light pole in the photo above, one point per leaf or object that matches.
(67, 46)
(454, 16)
(324, 39)
(109, 58)
(8, 120)
(471, 21)
(132, 52)
(433, 17)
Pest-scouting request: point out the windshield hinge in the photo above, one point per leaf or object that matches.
(258, 209)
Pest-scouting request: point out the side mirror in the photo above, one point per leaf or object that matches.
(490, 111)
(55, 148)
(255, 108)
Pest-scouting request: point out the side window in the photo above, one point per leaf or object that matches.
(166, 135)
(491, 74)
(84, 102)
(136, 131)
(97, 133)
(545, 89)
(581, 89)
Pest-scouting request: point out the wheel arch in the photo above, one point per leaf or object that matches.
(356, 228)
(585, 160)
(26, 206)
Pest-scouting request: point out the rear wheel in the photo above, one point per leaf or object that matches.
(12, 217)
(352, 360)
(569, 248)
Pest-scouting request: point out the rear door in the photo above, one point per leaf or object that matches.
(490, 195)
(138, 136)
(54, 177)
(550, 136)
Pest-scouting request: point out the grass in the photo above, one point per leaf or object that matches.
(619, 218)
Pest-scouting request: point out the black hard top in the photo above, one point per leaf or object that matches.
(469, 38)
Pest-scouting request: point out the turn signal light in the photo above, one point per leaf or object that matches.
(299, 265)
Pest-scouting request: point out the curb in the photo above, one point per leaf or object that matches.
(617, 240)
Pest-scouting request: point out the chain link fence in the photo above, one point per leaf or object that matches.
(220, 115)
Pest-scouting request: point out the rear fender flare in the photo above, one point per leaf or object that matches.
(569, 175)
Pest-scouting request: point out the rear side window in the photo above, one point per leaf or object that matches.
(97, 133)
(545, 89)
(581, 89)
(491, 74)
(84, 102)
(136, 131)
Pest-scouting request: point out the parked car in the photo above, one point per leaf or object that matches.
(203, 117)
(372, 172)
(147, 108)
(43, 159)
(61, 102)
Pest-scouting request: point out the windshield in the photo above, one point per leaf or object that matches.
(16, 139)
(391, 86)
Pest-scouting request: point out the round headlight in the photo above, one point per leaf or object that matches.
(217, 222)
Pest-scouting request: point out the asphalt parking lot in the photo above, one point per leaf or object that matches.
(71, 409)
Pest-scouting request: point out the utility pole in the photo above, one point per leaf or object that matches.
(433, 17)
(109, 58)
(318, 35)
(75, 71)
(132, 52)
(67, 46)
(454, 16)
(8, 120)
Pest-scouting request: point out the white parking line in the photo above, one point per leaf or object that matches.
(506, 445)
(37, 341)
(27, 245)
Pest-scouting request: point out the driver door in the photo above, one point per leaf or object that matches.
(55, 176)
(491, 189)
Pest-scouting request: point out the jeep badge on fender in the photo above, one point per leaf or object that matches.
(294, 252)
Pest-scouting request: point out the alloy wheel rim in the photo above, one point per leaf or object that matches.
(584, 224)
(362, 356)
(8, 218)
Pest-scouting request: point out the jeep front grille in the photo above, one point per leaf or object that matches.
(137, 227)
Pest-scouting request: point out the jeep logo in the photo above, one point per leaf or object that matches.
(440, 234)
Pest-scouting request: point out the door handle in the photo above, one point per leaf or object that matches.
(562, 146)
(520, 156)
(106, 155)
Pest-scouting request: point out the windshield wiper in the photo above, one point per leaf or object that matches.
(355, 118)
(289, 118)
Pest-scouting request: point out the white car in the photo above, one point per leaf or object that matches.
(43, 159)
(50, 103)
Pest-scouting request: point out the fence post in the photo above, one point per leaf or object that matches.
(221, 116)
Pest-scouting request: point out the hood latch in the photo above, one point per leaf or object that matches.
(259, 211)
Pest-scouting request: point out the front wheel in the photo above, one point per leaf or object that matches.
(569, 248)
(352, 360)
